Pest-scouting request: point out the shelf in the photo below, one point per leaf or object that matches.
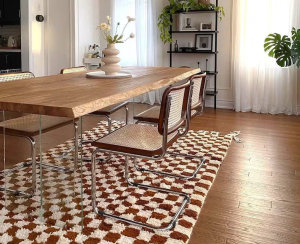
(185, 32)
(211, 93)
(195, 11)
(207, 52)
(211, 72)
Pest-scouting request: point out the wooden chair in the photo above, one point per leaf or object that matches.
(105, 112)
(29, 126)
(148, 142)
(198, 102)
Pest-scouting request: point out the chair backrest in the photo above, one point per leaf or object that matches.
(198, 93)
(16, 76)
(173, 112)
(73, 70)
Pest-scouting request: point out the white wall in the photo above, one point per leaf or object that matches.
(58, 35)
(61, 40)
(88, 19)
(32, 33)
(299, 91)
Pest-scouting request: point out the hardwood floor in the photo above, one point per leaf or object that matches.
(256, 195)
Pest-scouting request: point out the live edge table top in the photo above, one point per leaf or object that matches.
(74, 95)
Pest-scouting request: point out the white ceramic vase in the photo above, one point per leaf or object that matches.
(111, 60)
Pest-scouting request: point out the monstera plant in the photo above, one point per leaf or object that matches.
(284, 49)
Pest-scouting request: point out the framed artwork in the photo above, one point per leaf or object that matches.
(204, 42)
(206, 26)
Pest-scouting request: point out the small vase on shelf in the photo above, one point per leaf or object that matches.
(111, 60)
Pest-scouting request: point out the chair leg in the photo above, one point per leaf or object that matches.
(193, 175)
(127, 114)
(24, 165)
(186, 198)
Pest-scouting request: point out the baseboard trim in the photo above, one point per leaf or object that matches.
(220, 104)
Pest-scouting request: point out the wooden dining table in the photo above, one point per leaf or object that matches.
(74, 95)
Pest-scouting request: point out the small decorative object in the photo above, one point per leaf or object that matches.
(188, 49)
(176, 46)
(206, 2)
(188, 23)
(204, 42)
(206, 26)
(111, 59)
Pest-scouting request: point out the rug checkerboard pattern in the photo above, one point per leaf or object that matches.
(19, 221)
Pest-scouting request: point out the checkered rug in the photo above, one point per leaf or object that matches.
(62, 208)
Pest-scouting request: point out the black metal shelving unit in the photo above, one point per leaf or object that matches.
(214, 73)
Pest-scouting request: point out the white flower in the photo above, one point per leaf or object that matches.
(132, 35)
(130, 19)
(109, 19)
(108, 27)
(103, 26)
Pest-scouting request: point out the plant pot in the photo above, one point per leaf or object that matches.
(111, 60)
(204, 2)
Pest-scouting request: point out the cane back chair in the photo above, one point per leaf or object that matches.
(149, 142)
(198, 102)
(29, 126)
(151, 116)
(105, 112)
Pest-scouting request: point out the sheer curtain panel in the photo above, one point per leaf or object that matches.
(260, 85)
(146, 49)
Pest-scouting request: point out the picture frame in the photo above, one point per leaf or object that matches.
(204, 42)
(206, 26)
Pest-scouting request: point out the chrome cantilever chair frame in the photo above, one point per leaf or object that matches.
(165, 126)
(194, 106)
(33, 163)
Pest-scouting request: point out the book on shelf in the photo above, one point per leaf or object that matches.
(189, 29)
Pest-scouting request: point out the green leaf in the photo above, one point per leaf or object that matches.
(279, 48)
(296, 47)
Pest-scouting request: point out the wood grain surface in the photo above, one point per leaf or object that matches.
(74, 95)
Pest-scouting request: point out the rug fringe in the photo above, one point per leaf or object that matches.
(234, 135)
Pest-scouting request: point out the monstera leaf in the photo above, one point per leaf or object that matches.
(296, 47)
(279, 48)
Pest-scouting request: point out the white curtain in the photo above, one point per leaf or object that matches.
(146, 49)
(260, 85)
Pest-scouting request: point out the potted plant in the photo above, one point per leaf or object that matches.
(164, 19)
(284, 49)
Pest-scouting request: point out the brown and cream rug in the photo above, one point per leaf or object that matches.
(62, 194)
